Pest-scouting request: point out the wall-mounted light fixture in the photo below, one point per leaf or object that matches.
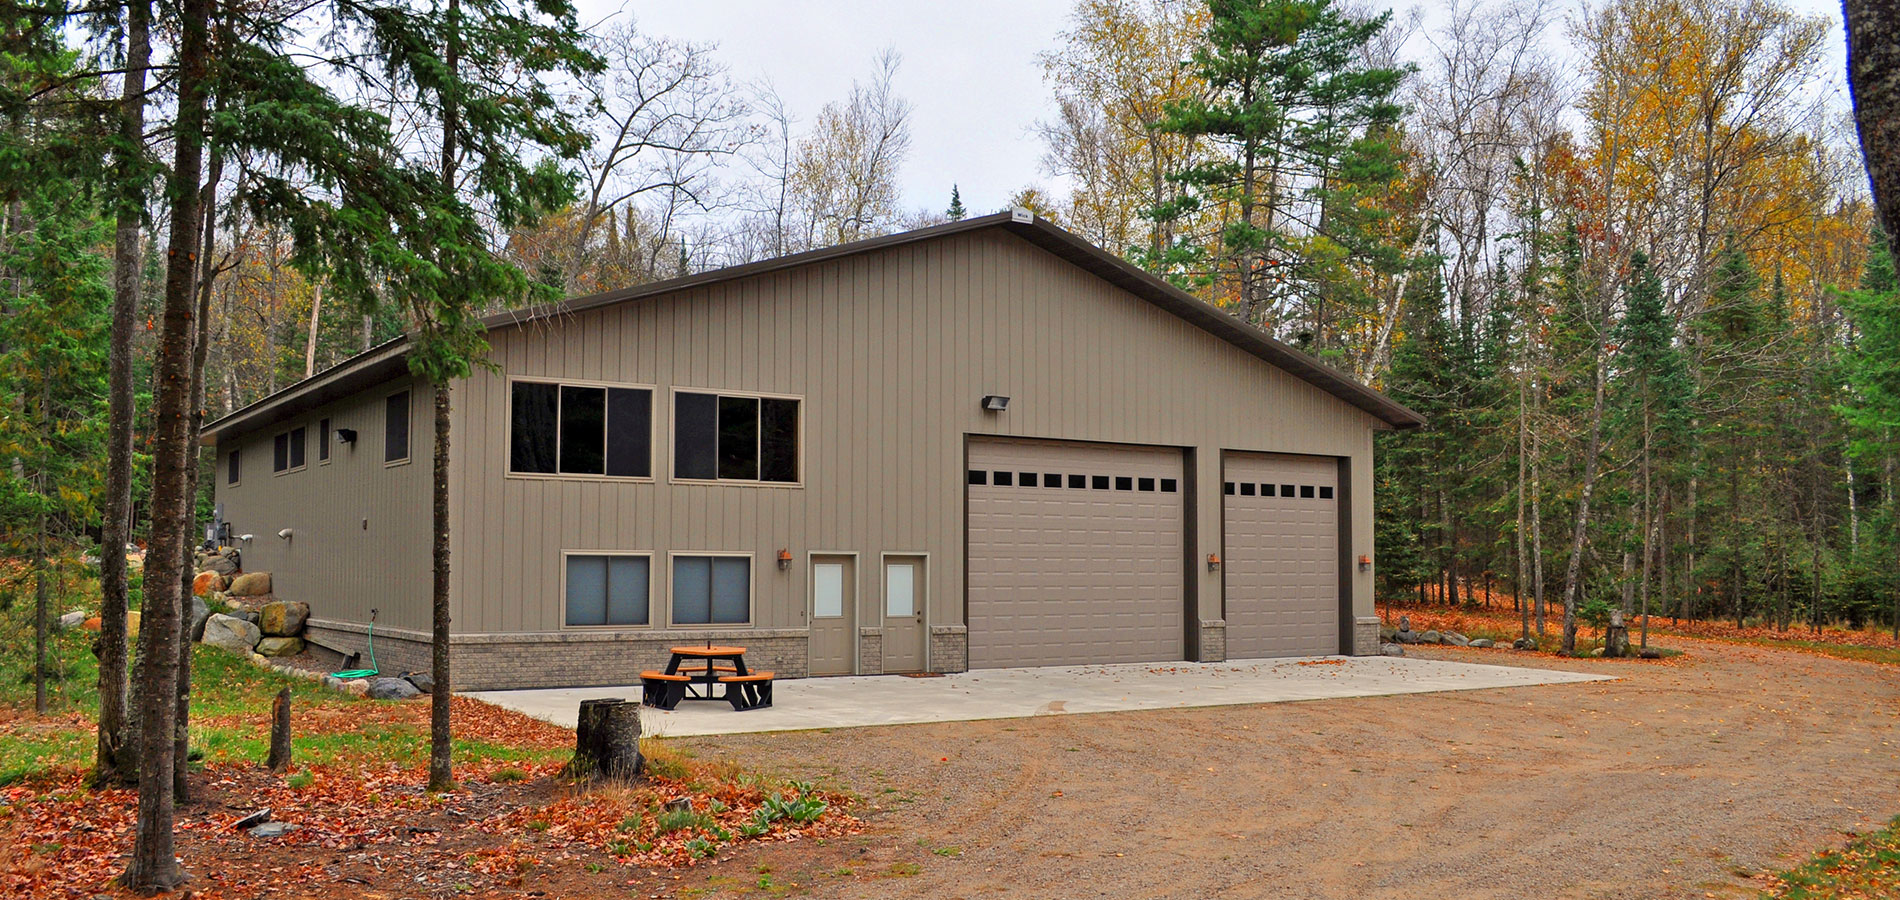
(784, 559)
(1213, 562)
(995, 402)
(346, 435)
(1365, 563)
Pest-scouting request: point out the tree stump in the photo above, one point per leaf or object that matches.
(279, 759)
(606, 741)
(1616, 639)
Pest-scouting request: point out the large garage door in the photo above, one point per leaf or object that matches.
(1281, 560)
(1075, 554)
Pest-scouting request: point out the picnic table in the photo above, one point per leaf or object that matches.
(697, 673)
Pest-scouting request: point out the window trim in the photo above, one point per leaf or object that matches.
(508, 436)
(652, 620)
(752, 590)
(672, 435)
(410, 448)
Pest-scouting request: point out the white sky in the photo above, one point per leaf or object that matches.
(969, 69)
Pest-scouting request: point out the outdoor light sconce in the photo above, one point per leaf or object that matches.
(1213, 562)
(995, 403)
(784, 560)
(1365, 563)
(346, 435)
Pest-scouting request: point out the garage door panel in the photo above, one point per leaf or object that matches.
(1280, 528)
(1083, 571)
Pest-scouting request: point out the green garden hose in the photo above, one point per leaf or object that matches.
(370, 672)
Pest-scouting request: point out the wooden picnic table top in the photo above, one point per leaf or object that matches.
(708, 652)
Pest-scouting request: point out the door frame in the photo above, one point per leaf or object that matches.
(811, 599)
(883, 560)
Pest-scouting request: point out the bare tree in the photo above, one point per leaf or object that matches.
(845, 170)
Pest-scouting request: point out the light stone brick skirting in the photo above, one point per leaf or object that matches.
(949, 648)
(870, 651)
(1365, 636)
(1213, 641)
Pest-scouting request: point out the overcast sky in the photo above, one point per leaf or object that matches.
(969, 68)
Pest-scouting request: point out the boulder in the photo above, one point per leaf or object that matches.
(258, 659)
(206, 582)
(251, 584)
(280, 646)
(392, 689)
(1431, 637)
(200, 611)
(272, 829)
(1386, 633)
(1482, 642)
(283, 618)
(423, 681)
(1455, 639)
(1405, 623)
(1391, 650)
(357, 686)
(1406, 637)
(1597, 653)
(1524, 644)
(223, 565)
(1649, 653)
(70, 620)
(231, 633)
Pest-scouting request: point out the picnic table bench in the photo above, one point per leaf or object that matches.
(697, 673)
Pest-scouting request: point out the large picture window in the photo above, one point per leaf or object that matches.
(735, 438)
(712, 590)
(568, 429)
(607, 590)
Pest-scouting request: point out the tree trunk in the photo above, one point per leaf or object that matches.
(181, 728)
(279, 759)
(441, 777)
(1573, 578)
(310, 344)
(116, 530)
(606, 742)
(39, 614)
(154, 864)
(1873, 72)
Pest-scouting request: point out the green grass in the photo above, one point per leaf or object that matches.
(1869, 866)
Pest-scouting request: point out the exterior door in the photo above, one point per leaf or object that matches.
(1077, 553)
(1280, 562)
(833, 614)
(905, 634)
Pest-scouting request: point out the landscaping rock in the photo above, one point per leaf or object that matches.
(223, 565)
(1482, 642)
(1387, 632)
(1431, 637)
(206, 582)
(279, 646)
(1405, 623)
(251, 584)
(1597, 653)
(1650, 653)
(231, 633)
(272, 829)
(200, 611)
(357, 686)
(258, 659)
(1454, 638)
(1406, 637)
(1391, 650)
(1524, 644)
(423, 681)
(283, 618)
(680, 804)
(70, 620)
(392, 689)
(253, 820)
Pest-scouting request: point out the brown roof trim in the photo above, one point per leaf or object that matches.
(375, 365)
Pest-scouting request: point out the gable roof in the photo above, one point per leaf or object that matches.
(389, 360)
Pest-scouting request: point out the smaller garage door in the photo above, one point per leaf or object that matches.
(1076, 554)
(1280, 527)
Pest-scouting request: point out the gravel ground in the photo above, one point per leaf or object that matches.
(1683, 779)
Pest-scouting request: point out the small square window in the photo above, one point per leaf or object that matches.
(1078, 481)
(1145, 484)
(1004, 479)
(978, 476)
(1167, 485)
(1286, 490)
(1124, 483)
(1246, 489)
(1326, 492)
(1098, 482)
(1028, 479)
(1228, 489)
(1051, 479)
(1306, 491)
(1266, 490)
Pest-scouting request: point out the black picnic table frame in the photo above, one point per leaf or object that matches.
(707, 678)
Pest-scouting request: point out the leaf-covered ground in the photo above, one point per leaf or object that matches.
(1867, 868)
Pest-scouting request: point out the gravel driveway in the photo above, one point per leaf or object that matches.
(1681, 780)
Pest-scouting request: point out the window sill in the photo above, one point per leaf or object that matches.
(390, 464)
(566, 476)
(715, 482)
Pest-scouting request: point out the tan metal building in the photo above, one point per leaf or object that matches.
(982, 444)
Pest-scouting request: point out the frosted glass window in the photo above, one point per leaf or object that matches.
(607, 590)
(900, 590)
(731, 590)
(827, 591)
(712, 590)
(586, 590)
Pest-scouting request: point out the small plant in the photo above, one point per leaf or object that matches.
(714, 807)
(630, 823)
(594, 868)
(508, 775)
(700, 848)
(948, 851)
(301, 780)
(539, 825)
(680, 819)
(619, 848)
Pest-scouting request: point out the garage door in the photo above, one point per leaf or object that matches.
(1075, 554)
(1281, 560)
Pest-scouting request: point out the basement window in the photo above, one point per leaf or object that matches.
(607, 590)
(577, 429)
(727, 437)
(712, 590)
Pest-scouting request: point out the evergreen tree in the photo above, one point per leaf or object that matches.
(1872, 410)
(1650, 408)
(956, 212)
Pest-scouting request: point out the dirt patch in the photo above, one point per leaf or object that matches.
(1680, 780)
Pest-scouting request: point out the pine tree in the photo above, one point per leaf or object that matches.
(956, 212)
(1650, 405)
(1872, 410)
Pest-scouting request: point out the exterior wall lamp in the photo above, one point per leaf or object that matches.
(995, 403)
(1213, 562)
(1365, 563)
(346, 435)
(784, 560)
